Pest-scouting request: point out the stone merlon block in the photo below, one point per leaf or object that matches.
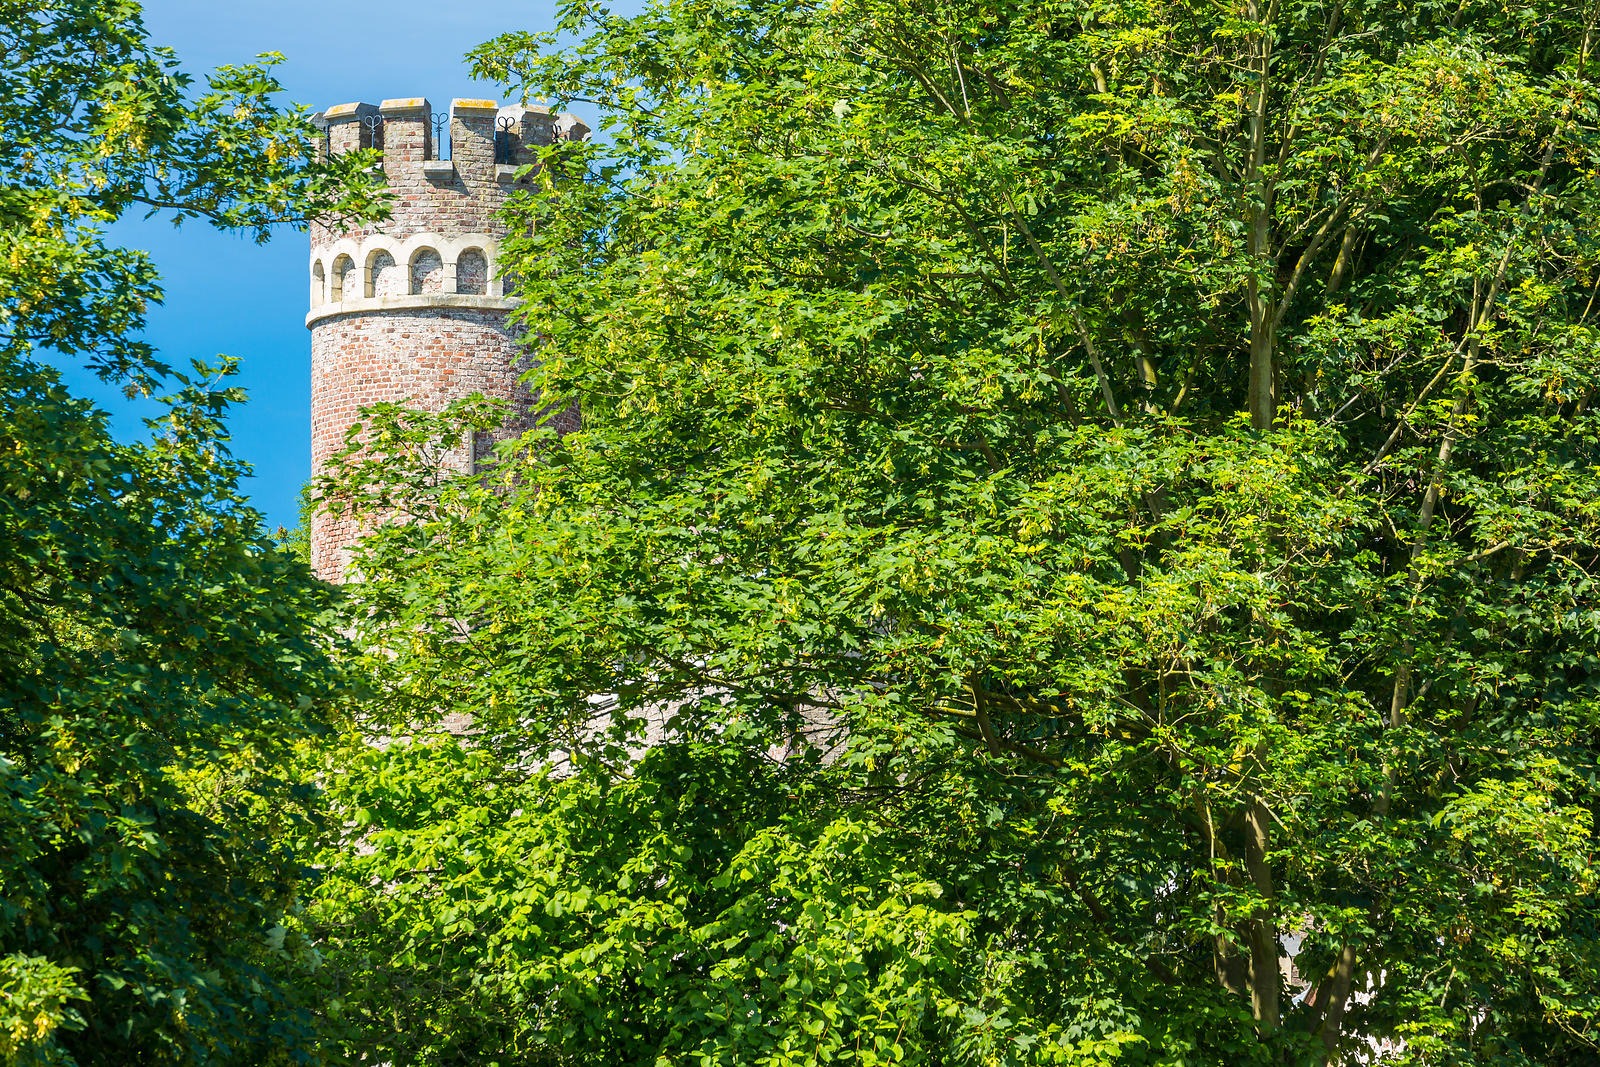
(349, 127)
(407, 130)
(472, 134)
(571, 128)
(525, 128)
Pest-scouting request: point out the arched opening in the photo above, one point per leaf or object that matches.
(427, 272)
(383, 276)
(472, 273)
(319, 286)
(343, 268)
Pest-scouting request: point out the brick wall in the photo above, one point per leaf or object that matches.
(423, 358)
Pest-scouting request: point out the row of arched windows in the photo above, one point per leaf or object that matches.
(381, 276)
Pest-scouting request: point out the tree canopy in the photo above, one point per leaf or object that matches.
(1100, 501)
(160, 658)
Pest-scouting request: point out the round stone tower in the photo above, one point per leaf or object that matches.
(413, 310)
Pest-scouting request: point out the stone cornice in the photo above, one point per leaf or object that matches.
(416, 302)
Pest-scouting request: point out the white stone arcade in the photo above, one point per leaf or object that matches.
(380, 271)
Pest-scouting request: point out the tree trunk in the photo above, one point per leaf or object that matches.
(1263, 391)
(1265, 977)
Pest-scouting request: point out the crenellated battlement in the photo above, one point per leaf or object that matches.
(476, 137)
(449, 171)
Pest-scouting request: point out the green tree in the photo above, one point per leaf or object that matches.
(160, 658)
(1161, 432)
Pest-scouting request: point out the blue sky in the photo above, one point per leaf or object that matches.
(226, 294)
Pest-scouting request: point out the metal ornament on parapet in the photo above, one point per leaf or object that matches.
(504, 152)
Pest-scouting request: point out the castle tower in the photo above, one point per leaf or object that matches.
(413, 310)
